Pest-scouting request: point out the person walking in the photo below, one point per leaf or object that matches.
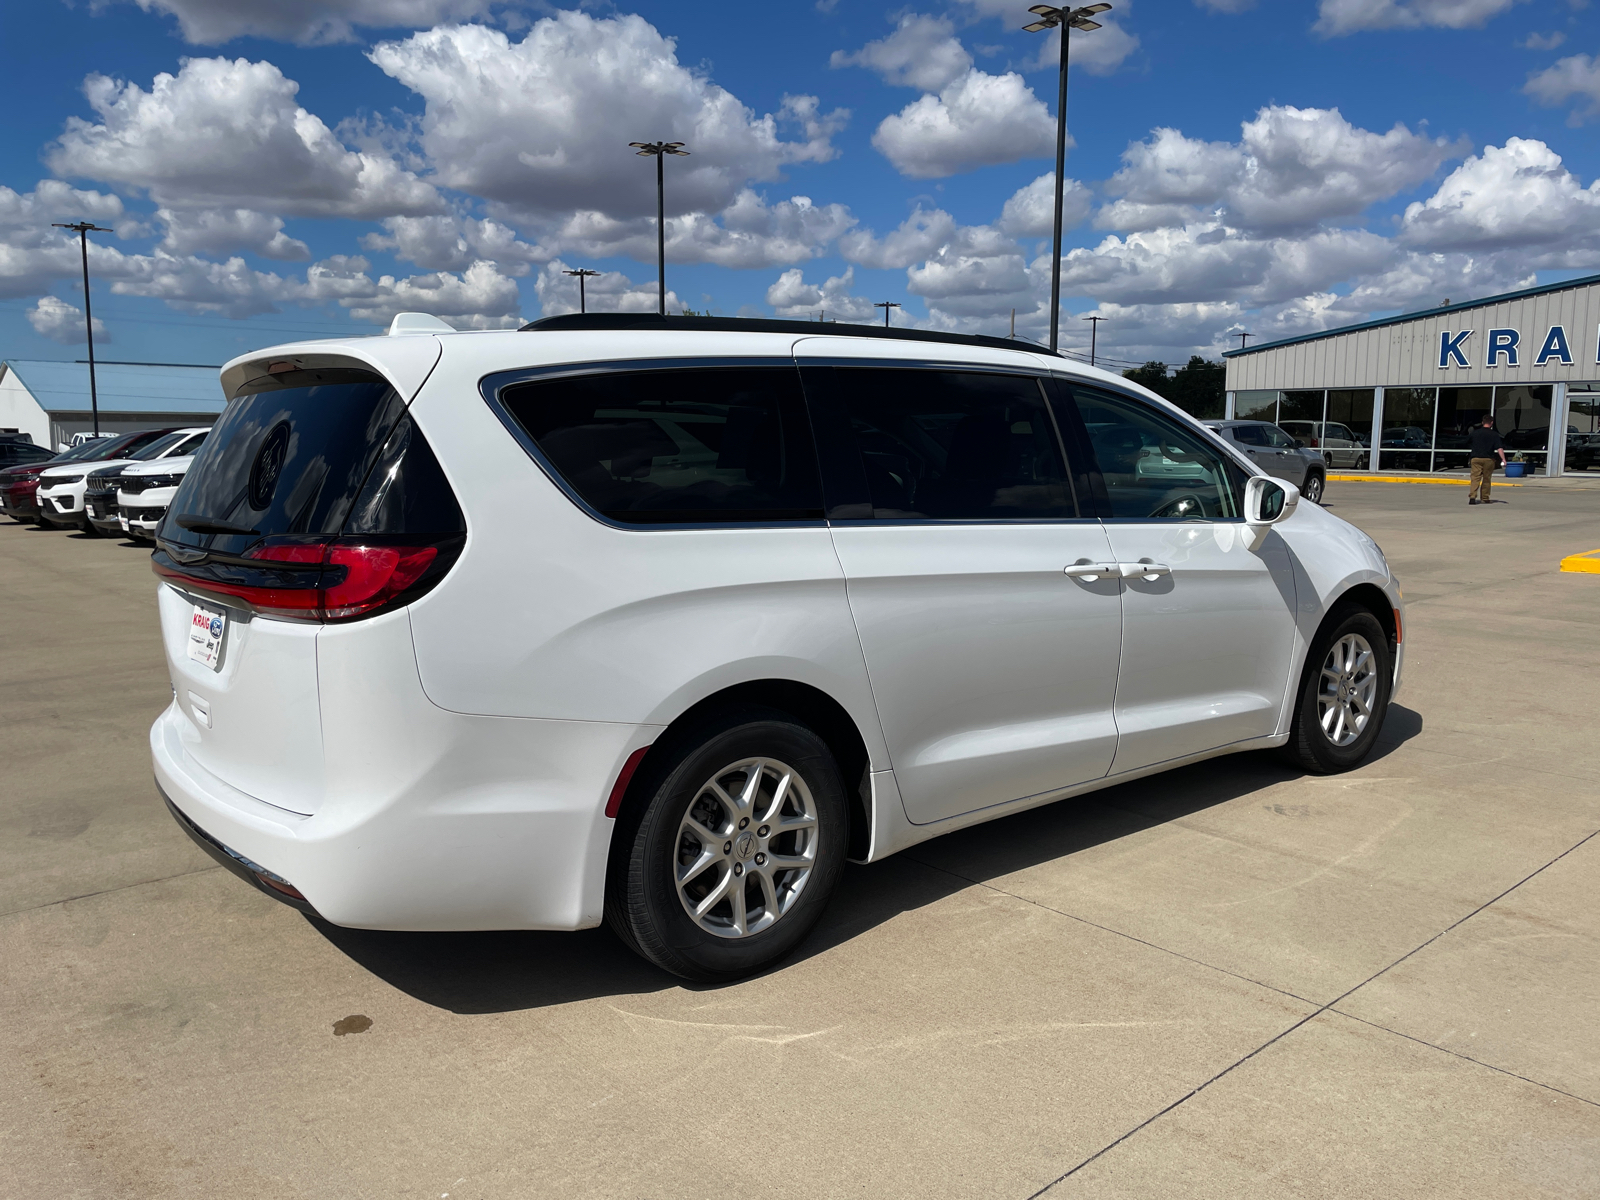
(1488, 450)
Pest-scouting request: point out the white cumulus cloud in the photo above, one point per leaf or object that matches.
(978, 120)
(230, 134)
(610, 291)
(922, 52)
(1575, 78)
(540, 126)
(832, 300)
(221, 230)
(1336, 18)
(1030, 212)
(308, 22)
(61, 322)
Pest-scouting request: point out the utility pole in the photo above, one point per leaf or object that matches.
(886, 305)
(1242, 336)
(83, 229)
(1094, 331)
(660, 150)
(582, 273)
(1066, 19)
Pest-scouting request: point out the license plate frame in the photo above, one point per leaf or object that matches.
(208, 629)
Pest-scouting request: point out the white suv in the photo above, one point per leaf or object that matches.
(144, 490)
(656, 621)
(64, 491)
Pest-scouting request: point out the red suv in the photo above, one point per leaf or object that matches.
(19, 486)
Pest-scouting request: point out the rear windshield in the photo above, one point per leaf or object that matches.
(291, 460)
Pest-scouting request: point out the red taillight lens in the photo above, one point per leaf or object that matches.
(336, 579)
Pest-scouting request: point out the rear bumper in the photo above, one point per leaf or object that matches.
(235, 863)
(427, 819)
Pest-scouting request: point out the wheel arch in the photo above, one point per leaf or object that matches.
(1370, 597)
(809, 705)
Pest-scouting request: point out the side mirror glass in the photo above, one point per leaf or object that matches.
(1268, 501)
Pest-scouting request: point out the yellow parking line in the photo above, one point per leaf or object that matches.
(1587, 563)
(1412, 479)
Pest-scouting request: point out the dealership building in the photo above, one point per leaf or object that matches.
(50, 400)
(1401, 394)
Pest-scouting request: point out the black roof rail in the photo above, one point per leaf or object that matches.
(601, 321)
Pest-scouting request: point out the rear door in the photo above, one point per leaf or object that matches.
(1208, 624)
(994, 672)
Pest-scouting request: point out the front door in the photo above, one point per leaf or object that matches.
(1208, 628)
(994, 671)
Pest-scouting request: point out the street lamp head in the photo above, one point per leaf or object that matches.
(582, 272)
(81, 227)
(655, 149)
(1077, 18)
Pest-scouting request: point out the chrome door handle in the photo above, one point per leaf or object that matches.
(1143, 570)
(1093, 572)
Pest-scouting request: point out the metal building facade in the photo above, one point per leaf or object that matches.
(1526, 356)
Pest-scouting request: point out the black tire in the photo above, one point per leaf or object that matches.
(643, 905)
(1313, 486)
(1309, 745)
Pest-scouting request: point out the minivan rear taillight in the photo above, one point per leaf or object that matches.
(303, 579)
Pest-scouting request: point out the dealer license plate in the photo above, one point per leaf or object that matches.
(205, 636)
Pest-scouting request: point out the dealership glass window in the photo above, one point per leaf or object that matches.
(1255, 406)
(1349, 412)
(1407, 435)
(1300, 406)
(1522, 415)
(1583, 427)
(1459, 410)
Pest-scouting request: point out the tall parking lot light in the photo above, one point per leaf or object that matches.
(659, 150)
(1066, 19)
(83, 229)
(582, 273)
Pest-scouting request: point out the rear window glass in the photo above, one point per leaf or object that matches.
(292, 460)
(721, 445)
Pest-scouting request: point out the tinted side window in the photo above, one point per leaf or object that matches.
(1250, 435)
(954, 445)
(714, 445)
(1152, 466)
(1277, 438)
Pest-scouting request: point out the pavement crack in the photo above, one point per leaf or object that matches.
(1478, 1061)
(1233, 1066)
(105, 891)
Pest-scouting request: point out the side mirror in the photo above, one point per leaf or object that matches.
(1266, 502)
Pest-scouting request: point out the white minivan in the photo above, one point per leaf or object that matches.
(657, 621)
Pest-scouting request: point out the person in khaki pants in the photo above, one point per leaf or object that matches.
(1488, 450)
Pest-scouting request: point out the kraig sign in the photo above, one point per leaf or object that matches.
(1503, 347)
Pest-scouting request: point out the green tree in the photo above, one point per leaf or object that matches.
(1200, 388)
(1152, 375)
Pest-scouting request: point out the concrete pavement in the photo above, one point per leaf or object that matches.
(1229, 981)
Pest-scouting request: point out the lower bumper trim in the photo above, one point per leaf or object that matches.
(252, 873)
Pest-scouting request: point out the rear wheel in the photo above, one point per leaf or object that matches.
(1344, 693)
(734, 857)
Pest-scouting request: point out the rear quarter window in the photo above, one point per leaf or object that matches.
(693, 445)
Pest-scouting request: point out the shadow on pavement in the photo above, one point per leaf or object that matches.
(510, 971)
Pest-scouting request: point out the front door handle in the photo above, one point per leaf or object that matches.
(1093, 572)
(1146, 570)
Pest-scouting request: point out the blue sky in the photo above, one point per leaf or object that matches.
(307, 168)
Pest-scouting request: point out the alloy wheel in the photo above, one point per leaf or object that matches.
(1348, 690)
(746, 847)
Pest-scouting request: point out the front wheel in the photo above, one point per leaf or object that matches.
(1311, 489)
(734, 857)
(1344, 693)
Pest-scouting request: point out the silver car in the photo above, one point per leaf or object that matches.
(1276, 453)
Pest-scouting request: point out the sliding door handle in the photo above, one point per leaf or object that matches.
(1145, 570)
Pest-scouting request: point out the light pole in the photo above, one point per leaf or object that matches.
(660, 150)
(582, 273)
(886, 305)
(1066, 19)
(83, 229)
(1094, 331)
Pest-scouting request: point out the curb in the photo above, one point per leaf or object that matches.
(1587, 563)
(1412, 479)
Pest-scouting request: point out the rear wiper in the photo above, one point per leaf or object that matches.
(206, 525)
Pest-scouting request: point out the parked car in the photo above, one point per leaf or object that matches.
(657, 621)
(1339, 445)
(16, 452)
(1276, 453)
(19, 486)
(1406, 437)
(1583, 451)
(62, 488)
(100, 500)
(145, 489)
